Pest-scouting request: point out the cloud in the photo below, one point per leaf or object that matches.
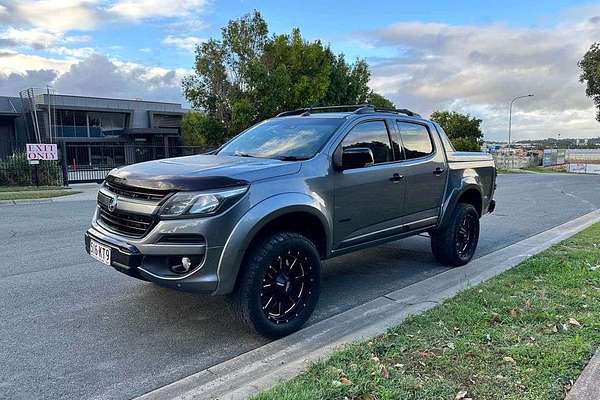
(73, 53)
(187, 43)
(479, 69)
(11, 84)
(13, 62)
(51, 15)
(62, 16)
(34, 38)
(137, 10)
(97, 75)
(100, 76)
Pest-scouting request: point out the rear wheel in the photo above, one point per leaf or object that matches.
(278, 287)
(455, 244)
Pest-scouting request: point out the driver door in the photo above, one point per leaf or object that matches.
(368, 200)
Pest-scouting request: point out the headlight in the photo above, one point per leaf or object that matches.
(201, 203)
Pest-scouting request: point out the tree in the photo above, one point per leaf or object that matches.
(590, 73)
(466, 144)
(463, 130)
(198, 129)
(247, 76)
(379, 101)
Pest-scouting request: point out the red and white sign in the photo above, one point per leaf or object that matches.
(42, 151)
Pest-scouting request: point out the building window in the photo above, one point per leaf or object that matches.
(74, 123)
(166, 121)
(71, 123)
(106, 123)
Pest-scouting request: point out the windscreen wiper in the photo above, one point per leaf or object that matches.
(240, 154)
(291, 158)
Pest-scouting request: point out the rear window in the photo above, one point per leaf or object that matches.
(416, 141)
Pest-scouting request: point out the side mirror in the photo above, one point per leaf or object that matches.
(354, 157)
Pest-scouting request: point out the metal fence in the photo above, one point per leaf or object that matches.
(83, 163)
(506, 161)
(92, 162)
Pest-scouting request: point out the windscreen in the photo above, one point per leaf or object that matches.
(283, 138)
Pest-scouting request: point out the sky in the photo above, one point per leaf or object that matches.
(466, 56)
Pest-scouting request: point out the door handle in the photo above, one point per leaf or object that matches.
(396, 178)
(438, 171)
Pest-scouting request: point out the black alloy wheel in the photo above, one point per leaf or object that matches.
(467, 230)
(278, 284)
(455, 243)
(287, 284)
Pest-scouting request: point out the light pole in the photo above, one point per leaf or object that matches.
(510, 121)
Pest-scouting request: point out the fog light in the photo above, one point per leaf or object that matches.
(182, 266)
(186, 263)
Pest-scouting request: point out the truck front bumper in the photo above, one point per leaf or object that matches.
(150, 262)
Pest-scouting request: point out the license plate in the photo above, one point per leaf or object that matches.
(100, 252)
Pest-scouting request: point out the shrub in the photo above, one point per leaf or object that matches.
(16, 171)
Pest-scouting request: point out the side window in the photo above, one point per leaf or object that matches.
(415, 140)
(372, 134)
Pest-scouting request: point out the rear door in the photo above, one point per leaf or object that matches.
(424, 169)
(367, 200)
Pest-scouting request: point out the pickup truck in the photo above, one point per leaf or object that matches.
(255, 218)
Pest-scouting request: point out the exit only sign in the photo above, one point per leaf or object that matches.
(37, 151)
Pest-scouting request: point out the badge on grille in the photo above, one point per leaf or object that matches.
(112, 206)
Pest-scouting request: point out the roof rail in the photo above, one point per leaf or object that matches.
(354, 108)
(308, 110)
(397, 111)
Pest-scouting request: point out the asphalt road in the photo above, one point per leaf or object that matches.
(72, 328)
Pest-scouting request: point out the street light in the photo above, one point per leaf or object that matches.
(510, 120)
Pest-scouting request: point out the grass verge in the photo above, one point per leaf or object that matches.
(550, 170)
(33, 192)
(525, 334)
(509, 171)
(30, 188)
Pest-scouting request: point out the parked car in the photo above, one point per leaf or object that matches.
(254, 219)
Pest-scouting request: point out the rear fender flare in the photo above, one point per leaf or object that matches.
(466, 183)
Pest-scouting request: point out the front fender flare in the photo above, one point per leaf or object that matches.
(253, 221)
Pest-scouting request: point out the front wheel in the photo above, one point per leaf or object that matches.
(279, 284)
(455, 244)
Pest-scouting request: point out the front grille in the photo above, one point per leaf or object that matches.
(126, 223)
(134, 192)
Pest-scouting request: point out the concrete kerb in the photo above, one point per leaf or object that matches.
(586, 387)
(259, 369)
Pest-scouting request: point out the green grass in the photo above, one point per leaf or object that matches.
(30, 188)
(33, 192)
(553, 170)
(525, 334)
(509, 171)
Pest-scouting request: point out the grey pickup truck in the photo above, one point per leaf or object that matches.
(254, 219)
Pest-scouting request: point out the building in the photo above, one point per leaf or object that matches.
(94, 131)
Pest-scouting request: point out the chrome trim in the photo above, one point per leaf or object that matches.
(132, 205)
(176, 278)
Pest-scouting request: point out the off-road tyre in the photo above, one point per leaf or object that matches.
(455, 243)
(270, 262)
